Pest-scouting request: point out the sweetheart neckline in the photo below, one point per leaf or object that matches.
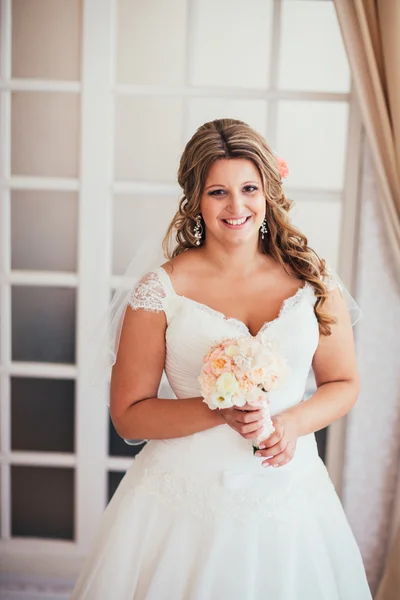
(287, 302)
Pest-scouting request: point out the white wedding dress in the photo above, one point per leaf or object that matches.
(198, 517)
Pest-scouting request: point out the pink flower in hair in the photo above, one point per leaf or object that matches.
(283, 168)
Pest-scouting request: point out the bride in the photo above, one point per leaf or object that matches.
(197, 516)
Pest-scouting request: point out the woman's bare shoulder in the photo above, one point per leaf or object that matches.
(186, 261)
(184, 267)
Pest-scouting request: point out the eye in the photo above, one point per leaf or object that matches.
(251, 188)
(216, 192)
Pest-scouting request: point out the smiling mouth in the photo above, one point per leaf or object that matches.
(236, 222)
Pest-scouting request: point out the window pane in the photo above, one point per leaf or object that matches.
(42, 502)
(320, 221)
(312, 53)
(252, 112)
(321, 438)
(148, 138)
(40, 221)
(45, 134)
(43, 324)
(46, 38)
(42, 414)
(155, 30)
(231, 43)
(118, 447)
(134, 221)
(312, 138)
(114, 479)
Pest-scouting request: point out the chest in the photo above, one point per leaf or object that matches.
(252, 305)
(194, 328)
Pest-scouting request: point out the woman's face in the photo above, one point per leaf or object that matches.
(233, 203)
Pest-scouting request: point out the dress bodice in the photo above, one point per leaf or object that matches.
(192, 328)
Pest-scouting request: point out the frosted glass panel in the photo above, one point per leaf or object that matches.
(42, 414)
(148, 138)
(252, 112)
(231, 43)
(44, 232)
(320, 221)
(155, 30)
(44, 134)
(134, 217)
(312, 54)
(43, 324)
(46, 39)
(42, 502)
(312, 138)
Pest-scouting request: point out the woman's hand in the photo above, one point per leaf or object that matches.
(279, 448)
(247, 420)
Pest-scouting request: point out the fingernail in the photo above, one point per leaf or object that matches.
(258, 454)
(266, 465)
(262, 447)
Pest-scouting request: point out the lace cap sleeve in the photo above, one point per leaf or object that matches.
(333, 282)
(148, 294)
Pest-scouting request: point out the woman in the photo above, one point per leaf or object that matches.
(197, 516)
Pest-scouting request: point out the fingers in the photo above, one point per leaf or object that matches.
(246, 425)
(273, 450)
(248, 417)
(280, 459)
(275, 437)
(247, 407)
(251, 430)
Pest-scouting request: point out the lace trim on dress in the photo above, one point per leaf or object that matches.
(149, 294)
(287, 305)
(240, 496)
(217, 313)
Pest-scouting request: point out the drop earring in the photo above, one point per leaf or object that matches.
(198, 230)
(263, 229)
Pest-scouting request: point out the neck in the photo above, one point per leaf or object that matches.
(239, 260)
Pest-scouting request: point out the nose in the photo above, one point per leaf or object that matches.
(236, 201)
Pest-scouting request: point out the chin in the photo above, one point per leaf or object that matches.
(239, 240)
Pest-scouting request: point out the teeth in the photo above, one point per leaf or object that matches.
(236, 221)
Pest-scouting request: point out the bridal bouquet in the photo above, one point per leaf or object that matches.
(243, 370)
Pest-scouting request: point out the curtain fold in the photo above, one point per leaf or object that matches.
(389, 588)
(371, 34)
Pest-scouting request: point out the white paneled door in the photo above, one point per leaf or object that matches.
(97, 100)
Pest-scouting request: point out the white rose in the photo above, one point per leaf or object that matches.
(226, 385)
(215, 400)
(231, 351)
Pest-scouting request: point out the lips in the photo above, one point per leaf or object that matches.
(237, 221)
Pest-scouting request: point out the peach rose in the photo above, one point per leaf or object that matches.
(283, 168)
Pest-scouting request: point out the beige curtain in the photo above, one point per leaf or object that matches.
(389, 588)
(371, 33)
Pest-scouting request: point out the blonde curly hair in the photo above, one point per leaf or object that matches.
(230, 138)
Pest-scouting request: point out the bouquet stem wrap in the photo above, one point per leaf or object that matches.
(268, 428)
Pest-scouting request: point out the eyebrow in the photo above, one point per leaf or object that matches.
(222, 185)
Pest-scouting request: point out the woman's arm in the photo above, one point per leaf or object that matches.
(135, 410)
(336, 373)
